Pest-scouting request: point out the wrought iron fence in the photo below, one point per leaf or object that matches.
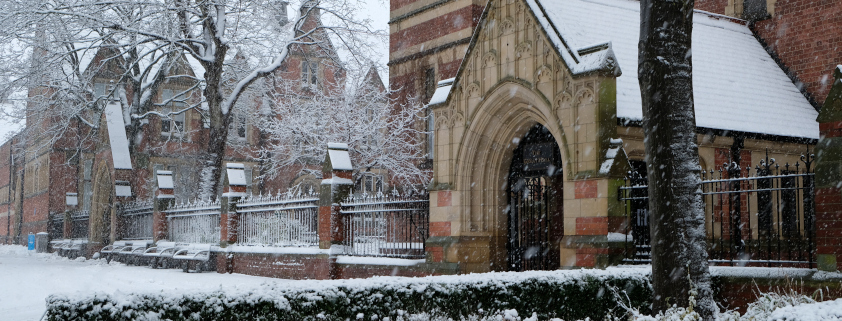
(194, 222)
(282, 220)
(56, 226)
(79, 224)
(764, 216)
(136, 220)
(386, 225)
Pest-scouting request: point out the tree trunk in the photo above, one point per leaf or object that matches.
(218, 131)
(675, 203)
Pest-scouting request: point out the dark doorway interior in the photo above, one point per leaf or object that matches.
(535, 203)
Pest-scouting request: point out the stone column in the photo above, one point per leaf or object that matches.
(164, 198)
(593, 211)
(233, 190)
(829, 180)
(336, 185)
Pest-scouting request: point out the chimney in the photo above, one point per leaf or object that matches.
(281, 13)
(310, 4)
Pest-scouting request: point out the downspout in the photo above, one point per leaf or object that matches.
(9, 206)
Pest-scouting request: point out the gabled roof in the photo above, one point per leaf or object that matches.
(737, 86)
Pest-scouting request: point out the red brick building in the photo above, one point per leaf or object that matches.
(39, 169)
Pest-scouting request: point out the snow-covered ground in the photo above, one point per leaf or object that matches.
(827, 310)
(26, 279)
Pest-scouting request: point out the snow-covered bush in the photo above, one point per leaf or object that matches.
(782, 305)
(569, 295)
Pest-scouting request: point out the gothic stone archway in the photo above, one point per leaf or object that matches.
(513, 78)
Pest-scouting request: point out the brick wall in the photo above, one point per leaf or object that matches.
(466, 17)
(409, 60)
(829, 222)
(306, 267)
(287, 266)
(714, 6)
(807, 37)
(735, 293)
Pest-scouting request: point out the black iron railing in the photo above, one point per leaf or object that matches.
(79, 224)
(762, 216)
(386, 225)
(136, 220)
(56, 226)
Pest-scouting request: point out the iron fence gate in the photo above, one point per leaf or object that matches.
(283, 220)
(79, 224)
(195, 222)
(386, 225)
(760, 217)
(136, 222)
(529, 229)
(57, 226)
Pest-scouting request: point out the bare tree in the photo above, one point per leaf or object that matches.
(68, 62)
(157, 32)
(675, 202)
(379, 136)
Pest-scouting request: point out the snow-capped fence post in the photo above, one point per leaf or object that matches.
(164, 198)
(829, 180)
(234, 189)
(336, 185)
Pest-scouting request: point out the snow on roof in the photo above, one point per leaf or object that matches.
(440, 95)
(737, 85)
(117, 136)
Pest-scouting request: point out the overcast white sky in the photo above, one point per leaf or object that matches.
(378, 12)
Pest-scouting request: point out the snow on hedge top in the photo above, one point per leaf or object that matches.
(737, 85)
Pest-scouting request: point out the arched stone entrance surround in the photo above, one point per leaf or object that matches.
(484, 158)
(102, 221)
(513, 78)
(468, 217)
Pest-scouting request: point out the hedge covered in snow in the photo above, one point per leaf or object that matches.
(569, 295)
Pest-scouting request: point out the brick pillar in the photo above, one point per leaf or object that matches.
(829, 180)
(122, 195)
(71, 203)
(233, 190)
(164, 198)
(336, 185)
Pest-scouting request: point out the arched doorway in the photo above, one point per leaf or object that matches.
(535, 202)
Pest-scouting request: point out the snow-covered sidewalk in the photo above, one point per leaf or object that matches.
(26, 279)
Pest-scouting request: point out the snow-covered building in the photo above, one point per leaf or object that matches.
(113, 158)
(547, 99)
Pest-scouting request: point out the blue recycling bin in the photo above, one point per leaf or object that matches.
(31, 244)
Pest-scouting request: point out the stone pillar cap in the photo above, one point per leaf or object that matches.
(337, 146)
